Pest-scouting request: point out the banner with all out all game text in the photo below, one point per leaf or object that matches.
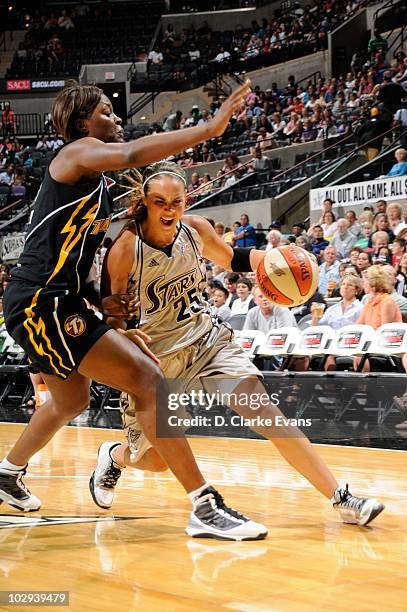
(367, 192)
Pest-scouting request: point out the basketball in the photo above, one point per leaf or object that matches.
(288, 275)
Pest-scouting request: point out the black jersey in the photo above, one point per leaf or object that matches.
(67, 226)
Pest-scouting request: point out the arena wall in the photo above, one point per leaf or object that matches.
(222, 20)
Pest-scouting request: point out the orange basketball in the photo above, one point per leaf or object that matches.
(288, 275)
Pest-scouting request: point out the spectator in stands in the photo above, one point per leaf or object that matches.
(353, 255)
(244, 300)
(390, 94)
(7, 177)
(273, 239)
(173, 121)
(232, 162)
(318, 243)
(206, 185)
(343, 239)
(245, 236)
(266, 315)
(395, 217)
(230, 281)
(381, 224)
(65, 22)
(379, 308)
(399, 299)
(402, 275)
(43, 144)
(55, 143)
(260, 163)
(278, 124)
(329, 270)
(155, 56)
(196, 182)
(329, 225)
(345, 312)
(220, 229)
(364, 261)
(327, 206)
(298, 229)
(398, 248)
(381, 206)
(219, 297)
(8, 120)
(354, 226)
(400, 168)
(379, 240)
(265, 140)
(223, 56)
(363, 241)
(293, 128)
(371, 132)
(377, 44)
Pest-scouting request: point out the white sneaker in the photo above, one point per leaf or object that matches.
(14, 491)
(355, 510)
(105, 476)
(211, 518)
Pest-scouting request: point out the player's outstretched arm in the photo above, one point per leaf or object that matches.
(216, 250)
(93, 154)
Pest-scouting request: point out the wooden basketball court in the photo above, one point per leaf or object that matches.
(145, 561)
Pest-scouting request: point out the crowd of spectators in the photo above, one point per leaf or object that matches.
(15, 167)
(58, 41)
(18, 178)
(365, 104)
(288, 34)
(362, 268)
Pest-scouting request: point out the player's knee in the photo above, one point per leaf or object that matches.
(148, 383)
(73, 408)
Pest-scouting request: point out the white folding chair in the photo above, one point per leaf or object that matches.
(353, 340)
(390, 339)
(315, 340)
(249, 340)
(279, 342)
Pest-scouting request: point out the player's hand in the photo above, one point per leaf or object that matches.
(141, 340)
(220, 121)
(121, 305)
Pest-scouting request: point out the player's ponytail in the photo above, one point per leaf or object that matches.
(136, 209)
(140, 185)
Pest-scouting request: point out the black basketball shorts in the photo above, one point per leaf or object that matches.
(54, 327)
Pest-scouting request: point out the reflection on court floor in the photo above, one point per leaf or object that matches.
(137, 556)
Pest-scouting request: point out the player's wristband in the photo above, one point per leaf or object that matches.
(241, 260)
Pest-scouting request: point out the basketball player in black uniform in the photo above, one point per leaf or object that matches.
(159, 257)
(45, 307)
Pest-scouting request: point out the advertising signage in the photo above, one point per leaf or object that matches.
(16, 85)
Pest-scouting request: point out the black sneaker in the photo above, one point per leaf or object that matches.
(14, 491)
(356, 510)
(211, 518)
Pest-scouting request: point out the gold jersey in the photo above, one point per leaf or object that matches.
(169, 284)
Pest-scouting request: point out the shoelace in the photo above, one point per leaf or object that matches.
(111, 477)
(20, 481)
(349, 500)
(221, 505)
